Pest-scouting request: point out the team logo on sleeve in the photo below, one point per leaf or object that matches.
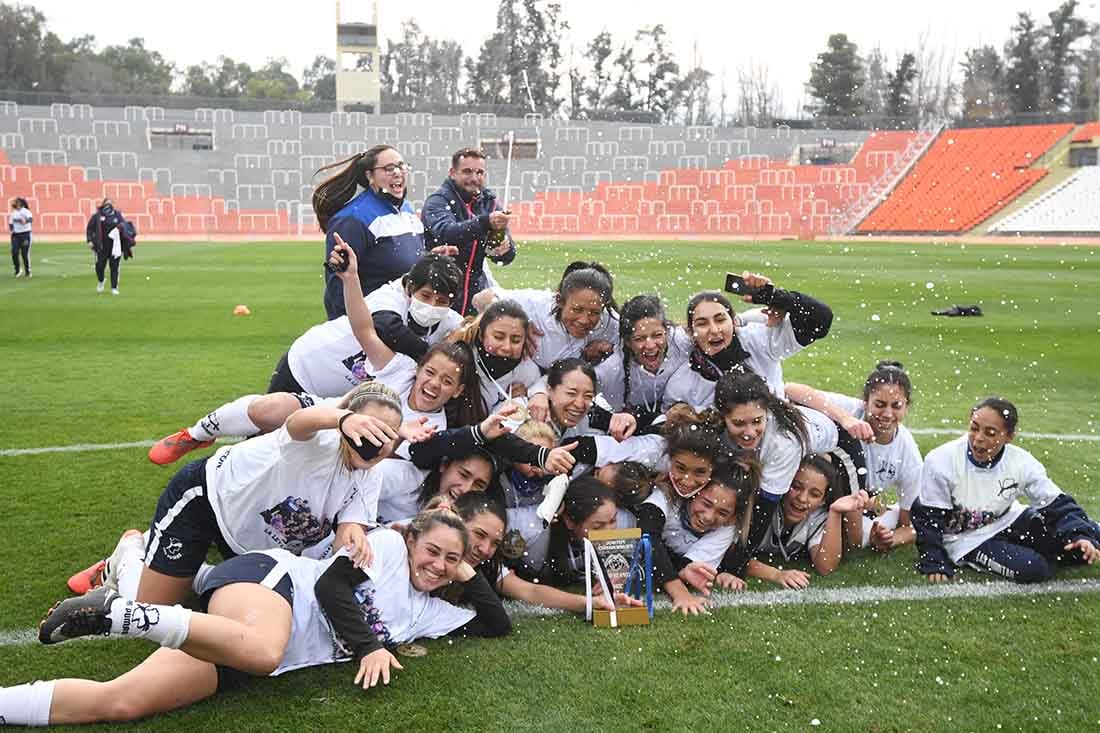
(293, 526)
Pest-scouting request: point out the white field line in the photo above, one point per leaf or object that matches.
(1065, 437)
(865, 594)
(81, 447)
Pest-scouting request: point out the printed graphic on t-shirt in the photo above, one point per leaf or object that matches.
(357, 365)
(365, 596)
(293, 526)
(886, 471)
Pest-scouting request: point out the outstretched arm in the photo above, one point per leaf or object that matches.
(359, 315)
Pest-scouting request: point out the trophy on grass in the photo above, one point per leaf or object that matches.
(621, 560)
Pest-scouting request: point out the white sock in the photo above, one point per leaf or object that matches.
(165, 625)
(229, 419)
(26, 704)
(128, 572)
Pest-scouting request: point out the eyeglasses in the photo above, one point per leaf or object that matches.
(393, 168)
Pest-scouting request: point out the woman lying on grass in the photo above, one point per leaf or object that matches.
(968, 512)
(267, 613)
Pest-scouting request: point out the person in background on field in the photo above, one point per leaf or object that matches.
(464, 213)
(19, 224)
(968, 513)
(377, 222)
(108, 238)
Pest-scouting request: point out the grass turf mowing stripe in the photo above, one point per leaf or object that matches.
(810, 596)
(80, 447)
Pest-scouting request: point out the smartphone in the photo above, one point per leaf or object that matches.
(736, 284)
(337, 268)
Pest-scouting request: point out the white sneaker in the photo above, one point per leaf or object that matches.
(114, 291)
(130, 549)
(19, 274)
(99, 288)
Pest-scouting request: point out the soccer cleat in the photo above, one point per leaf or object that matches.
(99, 288)
(18, 274)
(86, 615)
(132, 543)
(87, 579)
(29, 275)
(114, 291)
(174, 447)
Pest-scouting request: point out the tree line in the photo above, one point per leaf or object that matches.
(1048, 65)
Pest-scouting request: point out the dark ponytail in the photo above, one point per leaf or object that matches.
(334, 192)
(888, 372)
(742, 389)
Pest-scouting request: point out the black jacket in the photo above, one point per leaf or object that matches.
(449, 218)
(98, 232)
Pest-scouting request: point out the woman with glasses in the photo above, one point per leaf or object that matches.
(378, 222)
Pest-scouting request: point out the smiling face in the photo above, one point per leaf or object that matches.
(437, 382)
(807, 493)
(713, 507)
(434, 557)
(604, 517)
(470, 174)
(388, 415)
(711, 327)
(648, 343)
(505, 337)
(571, 400)
(987, 434)
(486, 532)
(886, 409)
(472, 473)
(390, 181)
(581, 312)
(688, 472)
(745, 424)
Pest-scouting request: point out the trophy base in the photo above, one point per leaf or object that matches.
(628, 616)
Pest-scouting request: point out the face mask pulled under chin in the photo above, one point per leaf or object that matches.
(426, 315)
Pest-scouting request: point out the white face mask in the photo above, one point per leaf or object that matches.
(426, 315)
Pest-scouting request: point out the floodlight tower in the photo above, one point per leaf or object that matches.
(358, 61)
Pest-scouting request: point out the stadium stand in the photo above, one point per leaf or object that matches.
(255, 171)
(1069, 208)
(964, 178)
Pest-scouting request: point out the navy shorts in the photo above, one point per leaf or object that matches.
(252, 567)
(184, 526)
(282, 380)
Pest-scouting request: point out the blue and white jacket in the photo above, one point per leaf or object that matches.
(387, 241)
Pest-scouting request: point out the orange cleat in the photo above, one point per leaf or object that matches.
(87, 579)
(174, 447)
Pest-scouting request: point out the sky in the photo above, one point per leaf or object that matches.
(724, 34)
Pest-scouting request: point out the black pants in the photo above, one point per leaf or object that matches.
(21, 247)
(281, 379)
(101, 259)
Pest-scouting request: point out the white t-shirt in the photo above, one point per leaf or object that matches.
(679, 539)
(646, 389)
(495, 393)
(982, 498)
(807, 534)
(276, 492)
(395, 484)
(767, 346)
(397, 612)
(20, 220)
(328, 360)
(780, 452)
(896, 464)
(556, 343)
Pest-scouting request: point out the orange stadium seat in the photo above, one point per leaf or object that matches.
(964, 178)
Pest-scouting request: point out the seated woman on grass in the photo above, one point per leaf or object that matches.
(968, 512)
(267, 613)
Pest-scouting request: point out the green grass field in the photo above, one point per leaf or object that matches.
(86, 368)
